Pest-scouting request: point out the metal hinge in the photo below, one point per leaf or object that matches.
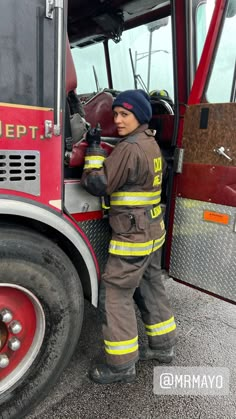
(51, 5)
(178, 160)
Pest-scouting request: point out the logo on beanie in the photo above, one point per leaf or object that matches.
(127, 105)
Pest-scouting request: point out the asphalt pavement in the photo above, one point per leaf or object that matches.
(206, 338)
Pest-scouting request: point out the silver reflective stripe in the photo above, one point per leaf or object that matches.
(122, 248)
(135, 249)
(158, 243)
(135, 199)
(93, 162)
(161, 330)
(121, 348)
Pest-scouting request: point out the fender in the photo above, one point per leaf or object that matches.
(62, 224)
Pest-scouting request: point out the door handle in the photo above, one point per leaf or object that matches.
(221, 152)
(56, 7)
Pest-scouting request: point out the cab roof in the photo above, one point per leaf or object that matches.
(92, 21)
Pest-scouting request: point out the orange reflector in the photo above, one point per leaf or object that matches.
(216, 217)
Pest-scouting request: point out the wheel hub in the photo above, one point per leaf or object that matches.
(22, 327)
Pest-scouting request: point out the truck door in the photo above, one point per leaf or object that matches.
(203, 247)
(31, 83)
(41, 298)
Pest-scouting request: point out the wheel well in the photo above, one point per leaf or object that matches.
(61, 240)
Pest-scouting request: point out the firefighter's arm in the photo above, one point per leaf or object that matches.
(119, 165)
(93, 177)
(107, 175)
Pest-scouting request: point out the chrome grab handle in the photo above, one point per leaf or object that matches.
(56, 7)
(58, 4)
(221, 152)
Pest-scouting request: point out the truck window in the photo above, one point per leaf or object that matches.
(221, 83)
(149, 49)
(203, 17)
(90, 68)
(221, 80)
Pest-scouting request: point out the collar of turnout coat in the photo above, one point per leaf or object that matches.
(141, 128)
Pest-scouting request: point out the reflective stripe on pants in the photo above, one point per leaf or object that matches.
(120, 280)
(121, 348)
(161, 328)
(154, 306)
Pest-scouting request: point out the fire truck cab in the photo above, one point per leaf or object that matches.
(54, 235)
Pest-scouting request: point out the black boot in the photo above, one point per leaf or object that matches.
(103, 374)
(161, 355)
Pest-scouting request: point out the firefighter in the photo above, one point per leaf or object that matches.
(131, 176)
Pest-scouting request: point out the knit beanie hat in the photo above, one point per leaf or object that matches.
(137, 102)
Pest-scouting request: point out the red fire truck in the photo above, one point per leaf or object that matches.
(53, 234)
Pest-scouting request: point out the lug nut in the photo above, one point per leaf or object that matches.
(6, 315)
(14, 344)
(4, 361)
(15, 327)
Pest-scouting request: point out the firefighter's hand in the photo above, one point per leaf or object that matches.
(93, 136)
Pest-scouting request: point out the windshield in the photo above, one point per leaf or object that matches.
(221, 83)
(144, 58)
(90, 68)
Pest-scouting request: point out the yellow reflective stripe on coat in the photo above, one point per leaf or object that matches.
(161, 328)
(159, 242)
(121, 347)
(135, 198)
(93, 162)
(135, 249)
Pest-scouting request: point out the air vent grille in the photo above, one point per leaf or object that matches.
(20, 171)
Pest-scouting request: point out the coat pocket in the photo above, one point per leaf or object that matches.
(130, 222)
(121, 223)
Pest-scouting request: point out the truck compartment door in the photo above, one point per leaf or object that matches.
(203, 246)
(203, 251)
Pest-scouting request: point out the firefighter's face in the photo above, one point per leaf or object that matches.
(125, 121)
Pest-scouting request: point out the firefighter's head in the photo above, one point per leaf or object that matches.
(131, 108)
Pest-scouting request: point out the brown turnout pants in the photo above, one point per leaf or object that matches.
(127, 279)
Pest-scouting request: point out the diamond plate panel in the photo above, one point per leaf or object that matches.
(98, 233)
(204, 253)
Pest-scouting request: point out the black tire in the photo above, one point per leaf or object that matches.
(29, 262)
